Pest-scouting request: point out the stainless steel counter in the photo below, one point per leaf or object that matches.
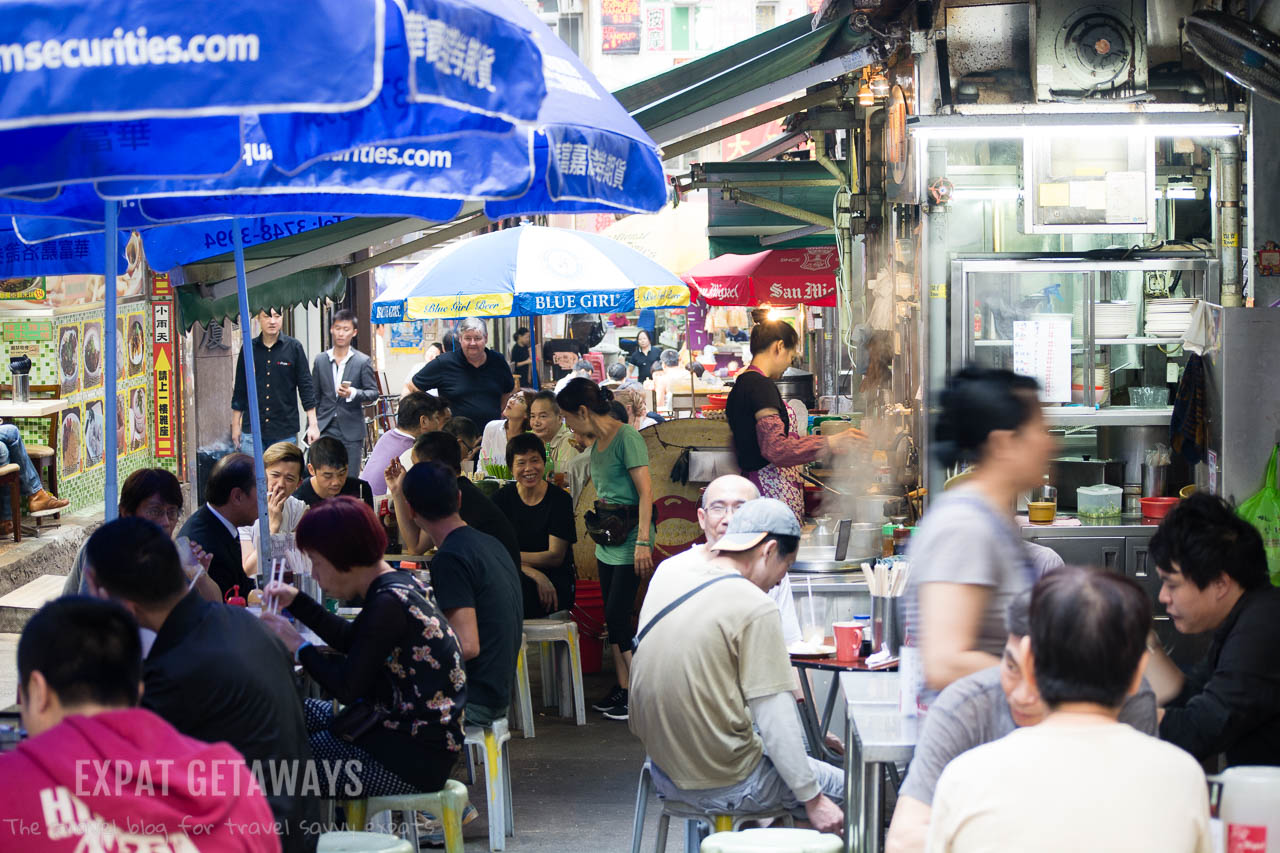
(1125, 525)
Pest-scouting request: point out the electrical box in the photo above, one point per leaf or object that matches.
(1083, 51)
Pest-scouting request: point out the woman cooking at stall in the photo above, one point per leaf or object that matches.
(621, 522)
(769, 447)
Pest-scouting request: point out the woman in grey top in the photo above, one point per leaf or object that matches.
(968, 558)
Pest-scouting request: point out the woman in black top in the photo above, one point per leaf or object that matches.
(521, 358)
(398, 668)
(644, 356)
(769, 447)
(542, 515)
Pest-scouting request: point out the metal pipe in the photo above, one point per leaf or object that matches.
(803, 231)
(728, 185)
(820, 156)
(692, 143)
(783, 209)
(1226, 158)
(110, 495)
(935, 303)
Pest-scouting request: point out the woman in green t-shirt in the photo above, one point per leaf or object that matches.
(620, 471)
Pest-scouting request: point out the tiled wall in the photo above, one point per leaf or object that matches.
(81, 469)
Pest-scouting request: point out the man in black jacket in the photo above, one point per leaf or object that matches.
(231, 502)
(214, 672)
(1213, 573)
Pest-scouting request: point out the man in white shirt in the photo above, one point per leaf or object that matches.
(711, 680)
(1080, 780)
(344, 382)
(720, 500)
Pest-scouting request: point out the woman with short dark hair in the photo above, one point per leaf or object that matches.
(766, 439)
(542, 516)
(398, 670)
(968, 558)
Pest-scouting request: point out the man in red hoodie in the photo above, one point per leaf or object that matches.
(97, 773)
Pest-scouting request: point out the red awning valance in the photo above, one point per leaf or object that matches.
(782, 277)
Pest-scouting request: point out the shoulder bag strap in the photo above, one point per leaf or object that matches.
(681, 600)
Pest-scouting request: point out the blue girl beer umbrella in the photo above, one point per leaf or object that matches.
(620, 170)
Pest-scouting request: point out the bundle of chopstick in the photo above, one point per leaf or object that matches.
(887, 578)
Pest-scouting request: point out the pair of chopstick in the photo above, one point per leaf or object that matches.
(886, 579)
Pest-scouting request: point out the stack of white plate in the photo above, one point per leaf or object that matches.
(1168, 318)
(1115, 319)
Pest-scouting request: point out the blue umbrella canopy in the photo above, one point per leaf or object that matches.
(131, 88)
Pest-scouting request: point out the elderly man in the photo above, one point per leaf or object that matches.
(1080, 780)
(720, 500)
(475, 380)
(547, 424)
(1213, 573)
(711, 688)
(978, 709)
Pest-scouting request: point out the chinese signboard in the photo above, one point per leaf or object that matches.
(620, 26)
(165, 420)
(160, 286)
(28, 330)
(655, 28)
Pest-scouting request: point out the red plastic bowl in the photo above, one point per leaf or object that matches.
(1157, 507)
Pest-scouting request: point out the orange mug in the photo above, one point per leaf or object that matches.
(848, 640)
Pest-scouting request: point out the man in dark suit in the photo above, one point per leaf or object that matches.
(214, 672)
(231, 502)
(344, 382)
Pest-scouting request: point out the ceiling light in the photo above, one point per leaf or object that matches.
(865, 96)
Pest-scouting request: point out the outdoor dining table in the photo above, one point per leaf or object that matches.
(816, 727)
(876, 735)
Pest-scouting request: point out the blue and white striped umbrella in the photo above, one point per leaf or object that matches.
(531, 270)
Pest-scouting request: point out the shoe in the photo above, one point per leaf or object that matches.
(619, 711)
(431, 830)
(616, 695)
(42, 501)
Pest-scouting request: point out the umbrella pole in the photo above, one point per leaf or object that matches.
(255, 417)
(533, 350)
(110, 496)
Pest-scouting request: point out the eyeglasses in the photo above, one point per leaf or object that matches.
(720, 509)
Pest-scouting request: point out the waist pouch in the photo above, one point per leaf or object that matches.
(611, 524)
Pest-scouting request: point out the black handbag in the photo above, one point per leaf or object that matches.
(611, 524)
(356, 720)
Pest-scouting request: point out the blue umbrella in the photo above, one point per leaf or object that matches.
(530, 270)
(147, 88)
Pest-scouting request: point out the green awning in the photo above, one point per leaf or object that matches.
(751, 245)
(290, 291)
(752, 64)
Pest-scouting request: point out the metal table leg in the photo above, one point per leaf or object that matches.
(873, 808)
(854, 770)
(816, 729)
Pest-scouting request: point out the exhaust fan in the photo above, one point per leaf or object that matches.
(1248, 53)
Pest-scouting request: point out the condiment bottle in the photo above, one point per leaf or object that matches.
(901, 535)
(235, 599)
(886, 540)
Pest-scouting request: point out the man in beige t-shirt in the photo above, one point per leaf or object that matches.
(1080, 780)
(713, 669)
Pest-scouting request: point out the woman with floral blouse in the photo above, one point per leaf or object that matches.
(397, 670)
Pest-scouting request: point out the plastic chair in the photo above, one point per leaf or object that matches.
(497, 778)
(773, 840)
(695, 819)
(362, 842)
(561, 668)
(523, 708)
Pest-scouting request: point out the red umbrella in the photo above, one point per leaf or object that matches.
(775, 277)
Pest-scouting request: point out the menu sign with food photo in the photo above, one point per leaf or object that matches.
(93, 357)
(69, 359)
(122, 424)
(136, 340)
(95, 433)
(122, 363)
(69, 439)
(137, 409)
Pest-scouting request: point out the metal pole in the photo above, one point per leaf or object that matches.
(110, 494)
(1227, 159)
(935, 304)
(251, 388)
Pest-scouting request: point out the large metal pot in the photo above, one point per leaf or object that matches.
(797, 384)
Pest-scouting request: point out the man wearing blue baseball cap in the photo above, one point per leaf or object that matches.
(711, 680)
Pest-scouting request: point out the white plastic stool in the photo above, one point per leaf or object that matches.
(773, 840)
(497, 778)
(362, 842)
(522, 710)
(446, 805)
(719, 822)
(561, 667)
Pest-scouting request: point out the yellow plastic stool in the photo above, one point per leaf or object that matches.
(447, 805)
(492, 743)
(523, 706)
(362, 842)
(561, 669)
(772, 840)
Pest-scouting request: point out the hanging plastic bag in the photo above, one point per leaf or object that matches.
(1263, 512)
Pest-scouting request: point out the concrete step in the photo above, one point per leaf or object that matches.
(18, 606)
